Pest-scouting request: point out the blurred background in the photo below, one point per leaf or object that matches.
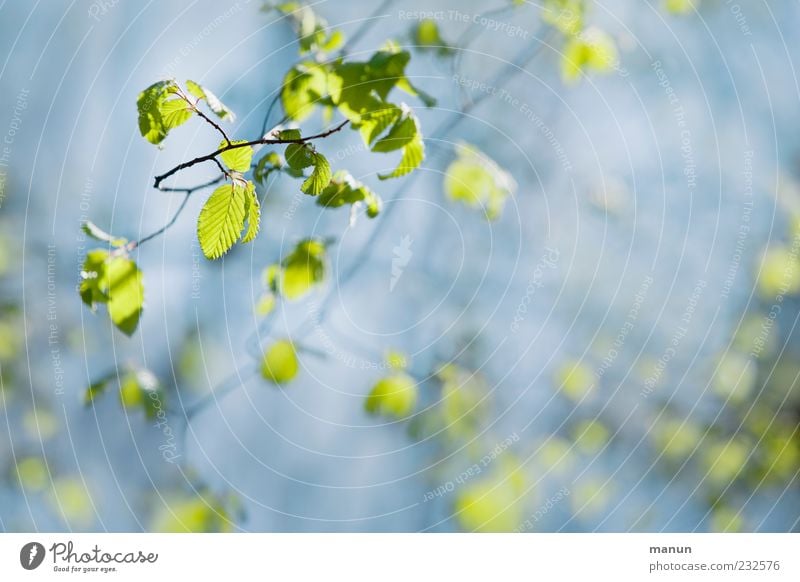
(617, 350)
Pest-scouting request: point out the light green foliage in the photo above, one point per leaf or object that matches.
(216, 106)
(778, 273)
(313, 33)
(679, 6)
(477, 181)
(280, 364)
(223, 217)
(396, 360)
(69, 498)
(565, 15)
(115, 280)
(204, 513)
(150, 105)
(295, 276)
(302, 269)
(237, 159)
(304, 88)
(590, 436)
(493, 504)
(360, 90)
(32, 474)
(676, 438)
(394, 395)
(426, 36)
(344, 189)
(591, 50)
(139, 389)
(725, 460)
(320, 177)
(735, 377)
(463, 406)
(575, 379)
(163, 106)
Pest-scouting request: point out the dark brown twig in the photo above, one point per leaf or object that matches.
(233, 146)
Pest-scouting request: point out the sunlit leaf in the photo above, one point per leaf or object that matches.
(280, 364)
(395, 395)
(222, 219)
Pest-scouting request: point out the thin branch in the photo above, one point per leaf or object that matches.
(269, 112)
(133, 244)
(213, 124)
(233, 146)
(190, 189)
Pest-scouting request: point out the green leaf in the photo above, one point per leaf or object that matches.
(427, 37)
(394, 395)
(564, 15)
(149, 105)
(222, 220)
(288, 134)
(214, 104)
(303, 88)
(374, 123)
(97, 233)
(266, 303)
(319, 178)
(413, 153)
(344, 189)
(175, 112)
(97, 388)
(253, 213)
(402, 132)
(123, 283)
(116, 281)
(280, 364)
(590, 51)
(477, 181)
(237, 159)
(299, 156)
(679, 6)
(301, 270)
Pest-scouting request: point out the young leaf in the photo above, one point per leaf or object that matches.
(149, 105)
(402, 132)
(344, 189)
(280, 364)
(319, 178)
(175, 112)
(591, 50)
(477, 181)
(289, 134)
(116, 281)
(237, 159)
(395, 395)
(304, 86)
(301, 270)
(253, 213)
(299, 156)
(214, 104)
(413, 155)
(426, 36)
(222, 220)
